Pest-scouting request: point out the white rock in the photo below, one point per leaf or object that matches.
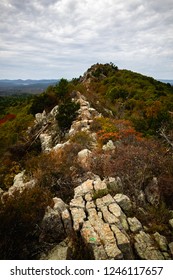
(109, 146)
(46, 142)
(83, 158)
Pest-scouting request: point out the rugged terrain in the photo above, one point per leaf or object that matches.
(105, 190)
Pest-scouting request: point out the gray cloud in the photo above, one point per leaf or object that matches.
(51, 38)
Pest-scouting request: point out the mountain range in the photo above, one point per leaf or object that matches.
(10, 87)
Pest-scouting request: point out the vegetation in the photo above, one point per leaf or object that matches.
(20, 216)
(143, 100)
(66, 115)
(136, 116)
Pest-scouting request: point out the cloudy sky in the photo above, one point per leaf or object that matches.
(63, 38)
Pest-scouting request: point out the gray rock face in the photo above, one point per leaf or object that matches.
(146, 248)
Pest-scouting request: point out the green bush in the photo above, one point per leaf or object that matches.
(67, 113)
(45, 101)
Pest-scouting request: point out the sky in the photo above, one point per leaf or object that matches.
(44, 39)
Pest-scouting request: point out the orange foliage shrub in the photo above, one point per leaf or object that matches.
(115, 130)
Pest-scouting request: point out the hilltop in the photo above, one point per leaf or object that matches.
(86, 169)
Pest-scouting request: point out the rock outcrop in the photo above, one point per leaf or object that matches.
(104, 224)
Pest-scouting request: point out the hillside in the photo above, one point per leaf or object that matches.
(89, 172)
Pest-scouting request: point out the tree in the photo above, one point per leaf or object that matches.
(66, 115)
(62, 88)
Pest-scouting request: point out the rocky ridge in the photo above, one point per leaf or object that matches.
(106, 224)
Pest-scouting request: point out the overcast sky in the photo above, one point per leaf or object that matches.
(63, 38)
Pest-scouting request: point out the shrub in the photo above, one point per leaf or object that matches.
(115, 130)
(45, 101)
(156, 218)
(66, 115)
(83, 139)
(20, 216)
(136, 164)
(56, 171)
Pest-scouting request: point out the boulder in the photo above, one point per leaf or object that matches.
(83, 158)
(54, 111)
(109, 146)
(59, 204)
(114, 184)
(99, 185)
(145, 247)
(124, 202)
(52, 227)
(41, 118)
(83, 189)
(60, 146)
(67, 222)
(135, 224)
(161, 241)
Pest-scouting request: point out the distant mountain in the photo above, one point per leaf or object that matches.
(166, 81)
(11, 87)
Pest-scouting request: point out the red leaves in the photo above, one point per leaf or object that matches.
(8, 117)
(118, 130)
